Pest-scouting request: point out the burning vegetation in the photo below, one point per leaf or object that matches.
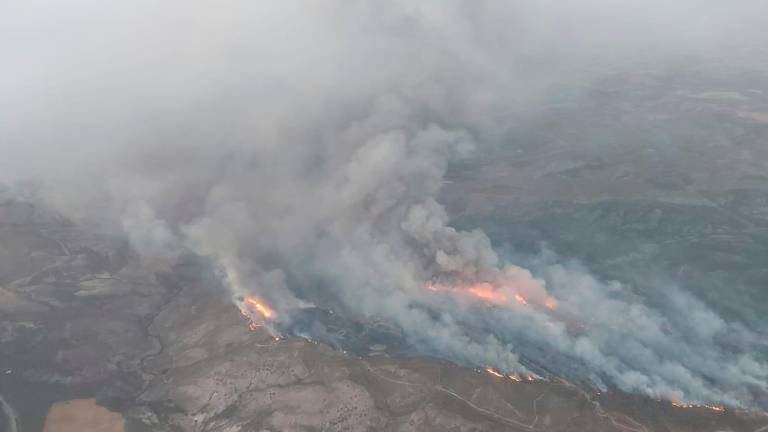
(258, 313)
(494, 372)
(264, 310)
(717, 408)
(491, 294)
(513, 377)
(253, 309)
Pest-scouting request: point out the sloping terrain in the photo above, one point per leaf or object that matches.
(164, 346)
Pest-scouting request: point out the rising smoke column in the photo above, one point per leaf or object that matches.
(301, 147)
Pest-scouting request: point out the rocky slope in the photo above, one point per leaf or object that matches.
(82, 317)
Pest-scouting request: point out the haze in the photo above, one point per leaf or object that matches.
(315, 152)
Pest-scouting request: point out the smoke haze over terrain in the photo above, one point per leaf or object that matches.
(302, 146)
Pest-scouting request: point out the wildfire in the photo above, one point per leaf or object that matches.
(521, 378)
(252, 306)
(514, 377)
(260, 307)
(494, 372)
(520, 299)
(251, 325)
(482, 291)
(716, 408)
(489, 294)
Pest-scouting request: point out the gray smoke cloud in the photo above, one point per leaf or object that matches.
(301, 145)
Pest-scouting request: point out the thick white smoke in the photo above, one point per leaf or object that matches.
(301, 145)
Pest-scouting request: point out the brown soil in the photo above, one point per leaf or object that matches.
(82, 415)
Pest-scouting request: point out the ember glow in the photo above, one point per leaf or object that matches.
(494, 372)
(253, 304)
(482, 291)
(716, 408)
(515, 377)
(489, 293)
(251, 325)
(520, 299)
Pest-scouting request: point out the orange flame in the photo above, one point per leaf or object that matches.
(514, 377)
(482, 291)
(716, 408)
(489, 294)
(520, 299)
(494, 372)
(255, 304)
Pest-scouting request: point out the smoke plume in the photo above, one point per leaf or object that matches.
(302, 145)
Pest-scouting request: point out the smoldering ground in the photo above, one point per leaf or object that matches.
(301, 146)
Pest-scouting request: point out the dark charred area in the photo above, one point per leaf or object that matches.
(171, 352)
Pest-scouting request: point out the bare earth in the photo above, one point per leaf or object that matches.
(170, 352)
(671, 182)
(79, 415)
